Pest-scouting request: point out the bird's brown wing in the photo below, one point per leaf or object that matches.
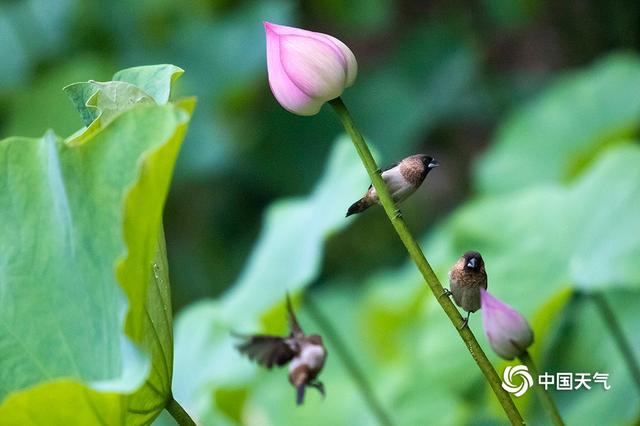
(294, 326)
(268, 350)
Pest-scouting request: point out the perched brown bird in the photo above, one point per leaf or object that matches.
(402, 179)
(465, 279)
(305, 354)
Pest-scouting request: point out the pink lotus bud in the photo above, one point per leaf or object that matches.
(508, 332)
(307, 69)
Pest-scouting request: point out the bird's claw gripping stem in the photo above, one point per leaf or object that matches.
(398, 214)
(465, 322)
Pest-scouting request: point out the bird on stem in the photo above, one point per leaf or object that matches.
(402, 179)
(466, 278)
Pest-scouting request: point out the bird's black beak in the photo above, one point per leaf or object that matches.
(473, 263)
(433, 164)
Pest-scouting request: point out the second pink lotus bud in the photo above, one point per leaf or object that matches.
(509, 334)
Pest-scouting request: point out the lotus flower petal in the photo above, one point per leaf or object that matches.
(508, 332)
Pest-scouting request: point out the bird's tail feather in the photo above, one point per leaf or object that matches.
(359, 206)
(300, 394)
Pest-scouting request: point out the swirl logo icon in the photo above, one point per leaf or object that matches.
(516, 371)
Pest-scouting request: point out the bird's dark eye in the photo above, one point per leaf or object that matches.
(473, 263)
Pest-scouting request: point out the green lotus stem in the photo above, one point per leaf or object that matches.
(612, 323)
(546, 400)
(178, 413)
(421, 262)
(349, 362)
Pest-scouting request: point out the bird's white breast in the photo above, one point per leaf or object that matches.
(311, 356)
(398, 186)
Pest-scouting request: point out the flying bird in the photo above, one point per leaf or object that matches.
(402, 179)
(305, 354)
(466, 278)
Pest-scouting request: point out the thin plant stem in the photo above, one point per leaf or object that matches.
(546, 400)
(178, 413)
(612, 323)
(421, 262)
(349, 361)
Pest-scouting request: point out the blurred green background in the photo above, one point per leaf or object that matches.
(533, 109)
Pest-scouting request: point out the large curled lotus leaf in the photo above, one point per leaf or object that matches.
(85, 323)
(79, 94)
(286, 257)
(558, 134)
(100, 102)
(154, 80)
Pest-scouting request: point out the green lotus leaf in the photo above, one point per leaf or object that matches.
(555, 137)
(85, 333)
